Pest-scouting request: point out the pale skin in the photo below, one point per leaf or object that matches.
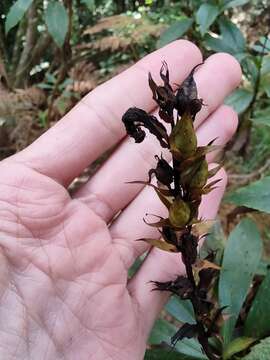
(64, 289)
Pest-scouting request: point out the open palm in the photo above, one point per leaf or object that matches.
(64, 290)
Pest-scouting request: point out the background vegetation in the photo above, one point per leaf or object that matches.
(45, 69)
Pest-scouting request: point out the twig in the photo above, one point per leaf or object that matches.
(243, 136)
(246, 178)
(65, 54)
(31, 37)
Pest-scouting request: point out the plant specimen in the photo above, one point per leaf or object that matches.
(180, 187)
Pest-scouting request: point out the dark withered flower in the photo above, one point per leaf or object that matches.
(187, 96)
(180, 187)
(163, 171)
(165, 76)
(163, 95)
(134, 119)
(206, 278)
(169, 235)
(186, 331)
(181, 286)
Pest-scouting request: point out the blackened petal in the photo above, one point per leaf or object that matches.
(189, 87)
(181, 286)
(186, 331)
(164, 172)
(164, 74)
(135, 118)
(153, 86)
(158, 129)
(187, 96)
(206, 278)
(169, 235)
(163, 95)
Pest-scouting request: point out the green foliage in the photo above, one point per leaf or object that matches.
(241, 258)
(205, 17)
(215, 242)
(56, 19)
(236, 346)
(260, 351)
(182, 310)
(159, 354)
(230, 40)
(175, 31)
(239, 100)
(163, 331)
(256, 195)
(262, 117)
(258, 320)
(16, 13)
(90, 4)
(233, 3)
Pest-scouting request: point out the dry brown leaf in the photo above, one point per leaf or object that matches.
(160, 244)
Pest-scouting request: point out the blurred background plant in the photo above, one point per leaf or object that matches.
(45, 69)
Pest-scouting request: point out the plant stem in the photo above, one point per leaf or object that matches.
(195, 300)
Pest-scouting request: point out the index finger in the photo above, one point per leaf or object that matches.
(94, 125)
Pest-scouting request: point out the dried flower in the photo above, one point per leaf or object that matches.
(134, 119)
(180, 188)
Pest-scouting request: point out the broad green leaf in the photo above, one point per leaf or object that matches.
(234, 3)
(205, 16)
(266, 65)
(175, 31)
(236, 346)
(90, 4)
(256, 195)
(182, 310)
(260, 351)
(239, 100)
(265, 84)
(240, 261)
(16, 13)
(262, 117)
(56, 19)
(163, 331)
(231, 39)
(160, 354)
(250, 67)
(258, 320)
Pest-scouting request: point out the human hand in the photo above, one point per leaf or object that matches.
(65, 292)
